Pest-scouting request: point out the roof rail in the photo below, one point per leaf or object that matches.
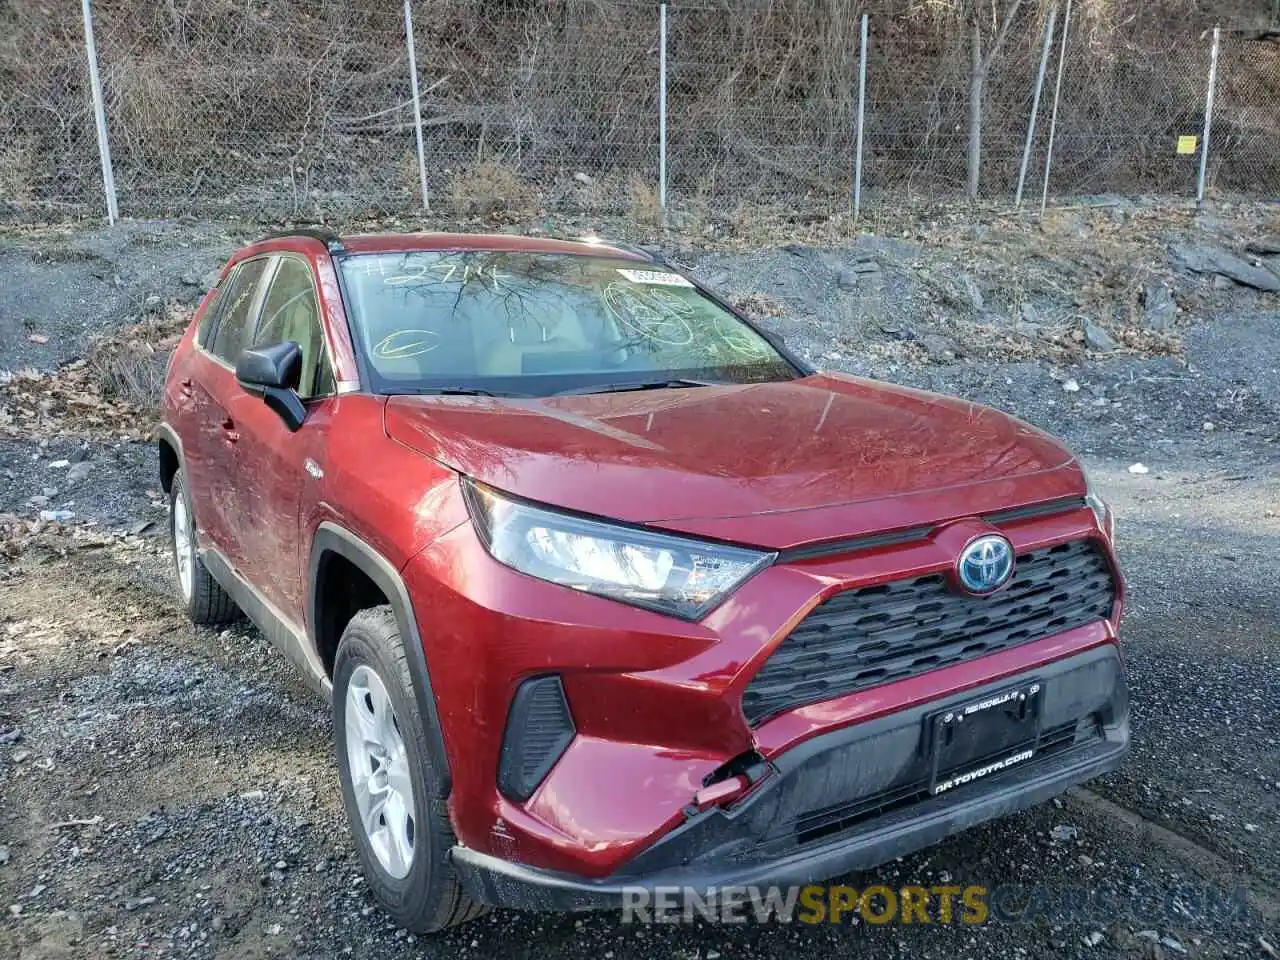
(326, 236)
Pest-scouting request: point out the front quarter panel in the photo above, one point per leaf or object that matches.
(393, 498)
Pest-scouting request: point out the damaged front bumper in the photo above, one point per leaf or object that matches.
(854, 798)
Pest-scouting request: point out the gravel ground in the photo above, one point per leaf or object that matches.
(167, 790)
(61, 287)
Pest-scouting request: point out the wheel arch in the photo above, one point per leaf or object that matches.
(332, 541)
(169, 448)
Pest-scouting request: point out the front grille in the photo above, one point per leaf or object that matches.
(874, 635)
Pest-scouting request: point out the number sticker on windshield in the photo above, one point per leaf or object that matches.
(655, 278)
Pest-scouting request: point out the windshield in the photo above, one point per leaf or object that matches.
(538, 324)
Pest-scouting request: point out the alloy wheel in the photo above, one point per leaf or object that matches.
(379, 769)
(182, 544)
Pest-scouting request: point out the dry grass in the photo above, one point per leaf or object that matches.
(492, 190)
(17, 169)
(643, 202)
(129, 366)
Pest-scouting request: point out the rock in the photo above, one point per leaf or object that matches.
(79, 472)
(39, 502)
(57, 516)
(1264, 246)
(1212, 261)
(584, 178)
(1148, 935)
(142, 526)
(4, 854)
(938, 348)
(1173, 943)
(1251, 827)
(1071, 386)
(1029, 315)
(218, 923)
(20, 756)
(49, 492)
(281, 865)
(252, 795)
(15, 910)
(847, 279)
(210, 279)
(11, 736)
(1159, 307)
(865, 266)
(59, 464)
(190, 279)
(1208, 426)
(79, 455)
(1096, 338)
(1139, 468)
(1064, 832)
(132, 904)
(1092, 939)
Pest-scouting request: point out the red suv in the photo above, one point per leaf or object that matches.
(608, 590)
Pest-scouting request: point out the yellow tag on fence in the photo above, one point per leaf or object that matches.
(1188, 145)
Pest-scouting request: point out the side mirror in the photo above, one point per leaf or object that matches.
(274, 372)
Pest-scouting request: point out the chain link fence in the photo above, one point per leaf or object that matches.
(304, 108)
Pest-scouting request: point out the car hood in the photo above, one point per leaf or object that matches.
(664, 456)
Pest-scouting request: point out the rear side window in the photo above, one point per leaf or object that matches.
(209, 318)
(291, 312)
(235, 322)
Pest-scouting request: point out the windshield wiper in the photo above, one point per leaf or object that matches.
(673, 384)
(463, 392)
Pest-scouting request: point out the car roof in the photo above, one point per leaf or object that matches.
(494, 242)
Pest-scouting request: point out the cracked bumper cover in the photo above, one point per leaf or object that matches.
(761, 840)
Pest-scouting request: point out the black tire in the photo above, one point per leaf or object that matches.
(429, 897)
(207, 602)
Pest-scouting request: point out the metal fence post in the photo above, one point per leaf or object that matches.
(1035, 103)
(417, 101)
(862, 104)
(1057, 96)
(1208, 117)
(100, 115)
(662, 105)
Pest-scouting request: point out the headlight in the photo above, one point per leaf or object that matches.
(1101, 510)
(675, 575)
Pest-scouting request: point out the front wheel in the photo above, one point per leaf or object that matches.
(391, 792)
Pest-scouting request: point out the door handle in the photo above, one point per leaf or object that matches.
(229, 432)
(185, 387)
